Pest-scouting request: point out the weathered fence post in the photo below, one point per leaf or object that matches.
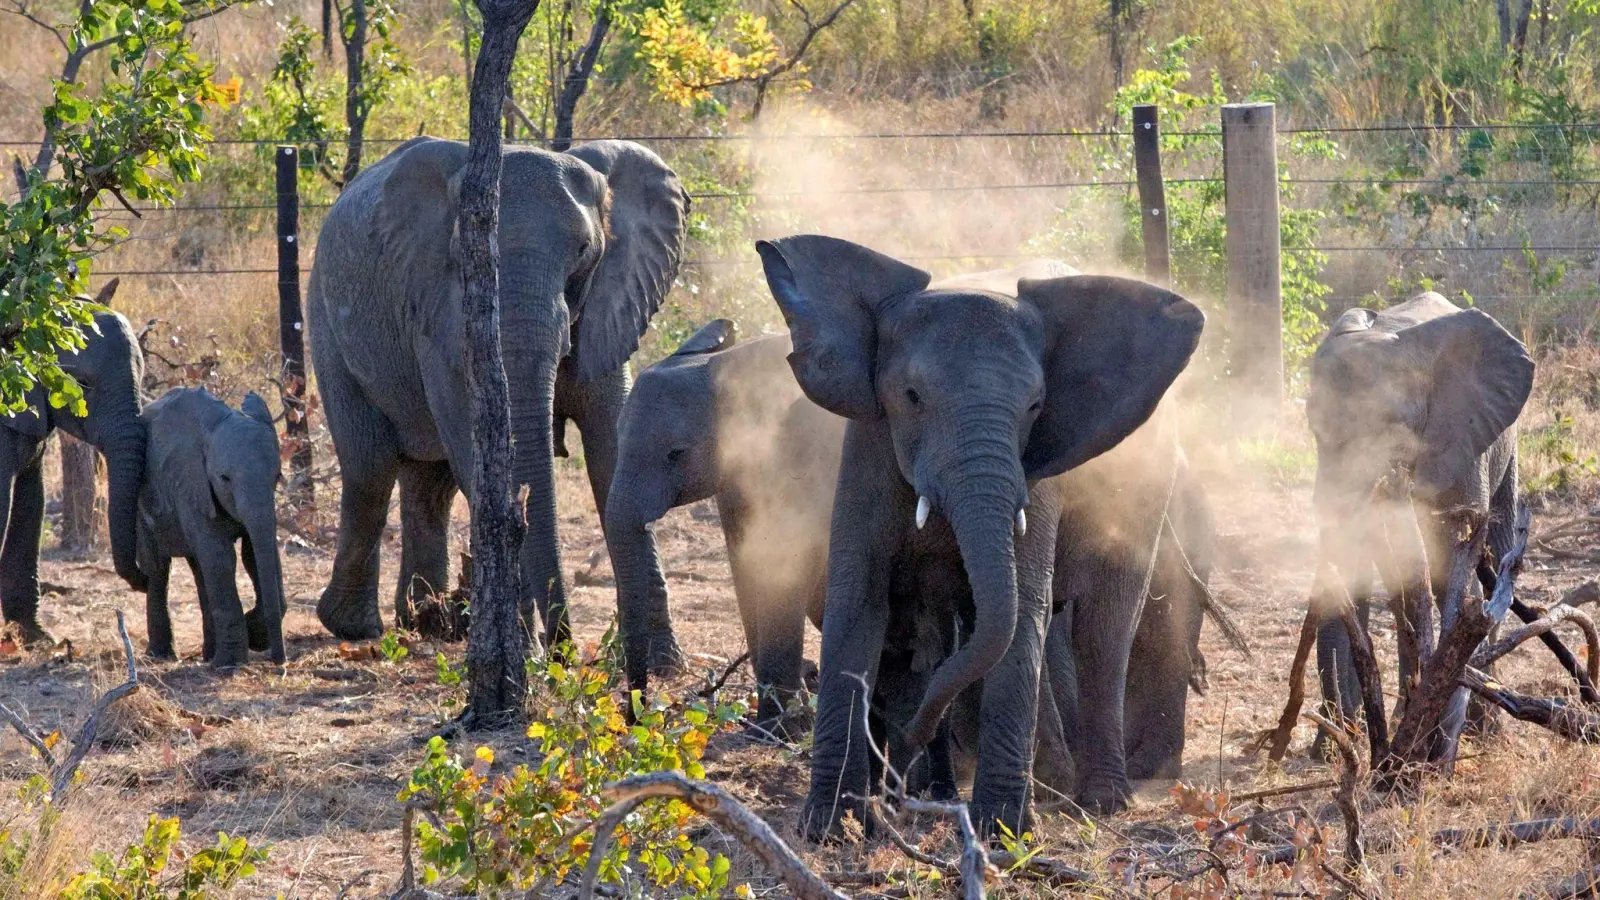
(1255, 287)
(81, 511)
(1152, 195)
(291, 326)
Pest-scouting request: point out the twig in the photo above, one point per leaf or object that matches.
(1566, 720)
(61, 777)
(1488, 653)
(1510, 834)
(1588, 592)
(1286, 789)
(1208, 600)
(727, 672)
(720, 807)
(1280, 736)
(29, 734)
(1346, 795)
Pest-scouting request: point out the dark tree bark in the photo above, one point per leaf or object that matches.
(356, 107)
(497, 641)
(81, 513)
(577, 80)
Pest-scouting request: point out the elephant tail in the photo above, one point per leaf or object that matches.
(1208, 601)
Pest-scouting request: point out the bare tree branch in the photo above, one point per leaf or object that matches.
(1346, 795)
(21, 10)
(1488, 653)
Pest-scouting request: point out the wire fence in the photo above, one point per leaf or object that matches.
(1499, 213)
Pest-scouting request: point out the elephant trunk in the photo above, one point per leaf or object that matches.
(263, 529)
(982, 512)
(647, 639)
(123, 444)
(532, 328)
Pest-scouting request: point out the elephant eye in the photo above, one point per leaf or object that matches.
(227, 477)
(1035, 406)
(911, 395)
(674, 455)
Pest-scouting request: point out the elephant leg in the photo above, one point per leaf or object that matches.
(427, 490)
(1158, 679)
(774, 626)
(255, 621)
(208, 631)
(215, 557)
(157, 616)
(1052, 761)
(1446, 571)
(19, 560)
(369, 459)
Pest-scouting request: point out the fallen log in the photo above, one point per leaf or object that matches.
(1571, 722)
(1510, 834)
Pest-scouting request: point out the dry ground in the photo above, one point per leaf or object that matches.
(309, 757)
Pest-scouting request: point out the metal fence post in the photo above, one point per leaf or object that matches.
(1152, 195)
(291, 325)
(1255, 283)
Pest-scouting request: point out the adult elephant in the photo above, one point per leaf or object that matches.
(109, 367)
(964, 407)
(589, 244)
(1428, 388)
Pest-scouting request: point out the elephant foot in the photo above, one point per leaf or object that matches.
(439, 617)
(231, 657)
(349, 619)
(255, 627)
(995, 818)
(782, 713)
(160, 652)
(828, 822)
(666, 658)
(1105, 796)
(28, 635)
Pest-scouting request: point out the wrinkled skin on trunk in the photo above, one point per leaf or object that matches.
(952, 467)
(589, 243)
(212, 479)
(109, 368)
(1425, 388)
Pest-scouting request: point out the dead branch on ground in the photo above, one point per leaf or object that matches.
(1488, 653)
(1345, 797)
(1510, 834)
(1567, 720)
(1588, 592)
(61, 775)
(1583, 884)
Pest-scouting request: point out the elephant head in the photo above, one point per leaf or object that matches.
(110, 368)
(1424, 387)
(982, 394)
(242, 469)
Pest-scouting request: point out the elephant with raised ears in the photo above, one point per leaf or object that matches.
(109, 367)
(964, 407)
(1427, 388)
(211, 482)
(589, 244)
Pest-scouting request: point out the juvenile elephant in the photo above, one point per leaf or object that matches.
(589, 244)
(109, 368)
(1426, 387)
(725, 419)
(964, 407)
(211, 480)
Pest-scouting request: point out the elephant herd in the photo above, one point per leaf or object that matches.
(975, 487)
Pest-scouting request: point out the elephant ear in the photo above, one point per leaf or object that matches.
(415, 221)
(1112, 348)
(176, 462)
(649, 213)
(829, 291)
(718, 334)
(1352, 320)
(1481, 377)
(256, 408)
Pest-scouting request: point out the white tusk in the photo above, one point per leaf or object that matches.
(922, 512)
(1022, 522)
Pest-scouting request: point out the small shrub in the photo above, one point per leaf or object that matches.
(498, 832)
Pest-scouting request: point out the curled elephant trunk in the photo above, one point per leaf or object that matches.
(263, 530)
(982, 514)
(647, 640)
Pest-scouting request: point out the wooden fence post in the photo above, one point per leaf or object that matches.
(1255, 285)
(81, 509)
(291, 327)
(1152, 195)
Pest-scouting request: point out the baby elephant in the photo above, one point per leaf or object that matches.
(210, 475)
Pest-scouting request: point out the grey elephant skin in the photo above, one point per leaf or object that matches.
(109, 368)
(211, 481)
(964, 408)
(724, 418)
(1426, 387)
(589, 243)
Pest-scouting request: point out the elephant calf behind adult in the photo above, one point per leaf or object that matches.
(589, 244)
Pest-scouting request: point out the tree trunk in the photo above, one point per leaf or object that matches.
(1502, 9)
(497, 642)
(355, 106)
(1519, 38)
(80, 515)
(577, 80)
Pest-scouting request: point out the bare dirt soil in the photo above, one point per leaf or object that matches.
(309, 757)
